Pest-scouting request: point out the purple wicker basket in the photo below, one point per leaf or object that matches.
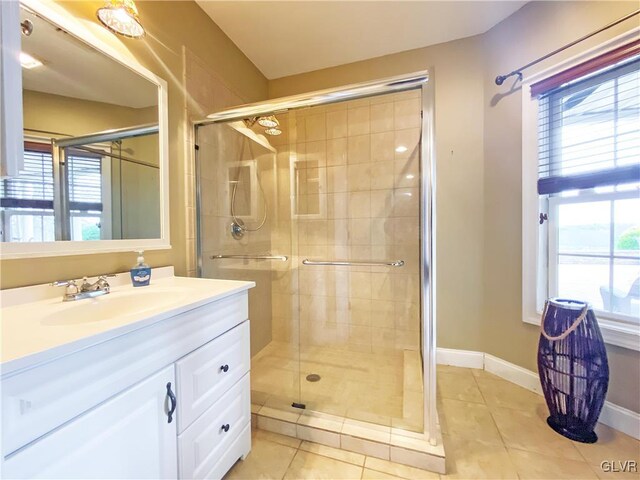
(573, 368)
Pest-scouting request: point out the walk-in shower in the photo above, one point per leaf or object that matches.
(331, 216)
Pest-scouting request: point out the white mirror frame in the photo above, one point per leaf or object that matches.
(98, 38)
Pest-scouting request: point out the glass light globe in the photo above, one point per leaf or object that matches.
(121, 17)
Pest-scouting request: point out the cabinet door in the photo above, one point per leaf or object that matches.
(126, 437)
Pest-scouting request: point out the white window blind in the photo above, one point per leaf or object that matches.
(85, 182)
(34, 187)
(589, 131)
(589, 177)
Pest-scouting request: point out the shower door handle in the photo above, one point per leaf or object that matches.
(340, 263)
(282, 258)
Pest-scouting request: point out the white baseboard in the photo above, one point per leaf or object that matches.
(614, 416)
(460, 358)
(514, 373)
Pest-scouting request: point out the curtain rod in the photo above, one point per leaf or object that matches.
(501, 78)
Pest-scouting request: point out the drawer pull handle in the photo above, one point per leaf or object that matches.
(225, 427)
(174, 403)
(224, 368)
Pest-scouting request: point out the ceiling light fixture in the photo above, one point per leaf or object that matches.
(273, 131)
(268, 122)
(121, 17)
(401, 149)
(28, 62)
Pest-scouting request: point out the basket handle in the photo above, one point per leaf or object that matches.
(566, 333)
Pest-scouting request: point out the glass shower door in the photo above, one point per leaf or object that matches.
(336, 328)
(355, 184)
(240, 222)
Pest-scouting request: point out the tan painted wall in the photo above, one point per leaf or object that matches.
(204, 69)
(538, 28)
(73, 116)
(478, 148)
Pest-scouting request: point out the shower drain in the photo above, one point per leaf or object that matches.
(313, 377)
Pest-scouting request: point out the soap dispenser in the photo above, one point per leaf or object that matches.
(141, 272)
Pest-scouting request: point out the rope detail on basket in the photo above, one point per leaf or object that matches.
(568, 331)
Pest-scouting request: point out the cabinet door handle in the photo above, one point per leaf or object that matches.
(225, 427)
(224, 368)
(174, 402)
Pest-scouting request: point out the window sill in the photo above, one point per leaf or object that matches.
(613, 332)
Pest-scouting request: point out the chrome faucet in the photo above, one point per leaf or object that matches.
(86, 290)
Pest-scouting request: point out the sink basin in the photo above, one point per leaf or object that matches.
(112, 305)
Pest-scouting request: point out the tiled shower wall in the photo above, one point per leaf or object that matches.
(348, 189)
(222, 149)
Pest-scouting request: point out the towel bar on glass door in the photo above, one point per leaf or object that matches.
(393, 263)
(282, 258)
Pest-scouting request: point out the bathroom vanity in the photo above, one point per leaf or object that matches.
(146, 382)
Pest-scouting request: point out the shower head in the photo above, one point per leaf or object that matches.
(269, 122)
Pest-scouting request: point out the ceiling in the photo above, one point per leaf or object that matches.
(74, 69)
(285, 38)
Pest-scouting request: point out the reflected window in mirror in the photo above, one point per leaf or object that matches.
(26, 202)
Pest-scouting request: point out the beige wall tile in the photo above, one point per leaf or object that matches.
(358, 149)
(358, 120)
(360, 204)
(337, 124)
(316, 127)
(381, 117)
(337, 151)
(337, 179)
(407, 114)
(335, 453)
(316, 435)
(417, 459)
(276, 426)
(382, 147)
(365, 447)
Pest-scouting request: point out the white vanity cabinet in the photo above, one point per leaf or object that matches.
(128, 436)
(103, 411)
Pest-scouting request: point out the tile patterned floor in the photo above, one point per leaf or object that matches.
(491, 428)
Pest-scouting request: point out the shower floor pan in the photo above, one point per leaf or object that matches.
(366, 403)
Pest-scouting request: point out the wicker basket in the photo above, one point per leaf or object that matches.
(573, 368)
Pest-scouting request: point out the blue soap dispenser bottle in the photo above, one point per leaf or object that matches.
(141, 272)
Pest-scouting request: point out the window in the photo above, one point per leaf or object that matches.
(84, 171)
(589, 167)
(584, 219)
(27, 201)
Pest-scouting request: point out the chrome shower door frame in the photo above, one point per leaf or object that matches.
(423, 80)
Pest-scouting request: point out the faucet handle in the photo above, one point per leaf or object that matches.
(72, 287)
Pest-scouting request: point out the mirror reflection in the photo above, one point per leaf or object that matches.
(91, 152)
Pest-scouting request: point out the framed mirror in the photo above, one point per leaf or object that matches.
(94, 175)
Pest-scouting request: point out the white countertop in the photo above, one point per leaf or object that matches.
(36, 329)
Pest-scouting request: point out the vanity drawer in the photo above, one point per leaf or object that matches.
(205, 374)
(202, 446)
(40, 399)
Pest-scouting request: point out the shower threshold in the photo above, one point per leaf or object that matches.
(388, 443)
